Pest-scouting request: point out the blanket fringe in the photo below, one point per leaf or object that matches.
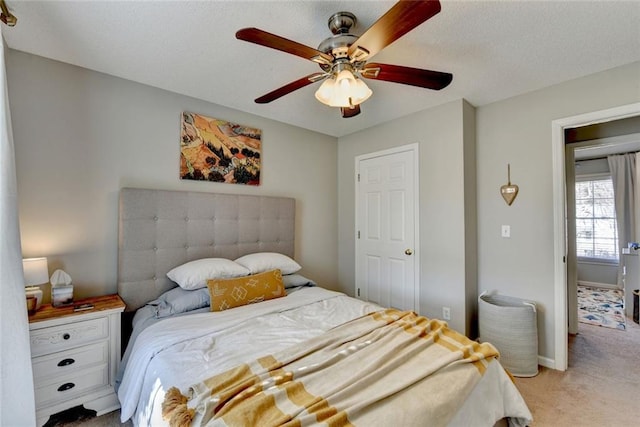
(173, 400)
(182, 416)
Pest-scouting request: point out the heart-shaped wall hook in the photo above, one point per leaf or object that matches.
(509, 191)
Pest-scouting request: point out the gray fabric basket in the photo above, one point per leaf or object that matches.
(510, 324)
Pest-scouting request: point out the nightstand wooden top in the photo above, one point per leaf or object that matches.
(102, 303)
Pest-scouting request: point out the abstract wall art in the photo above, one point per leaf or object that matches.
(219, 151)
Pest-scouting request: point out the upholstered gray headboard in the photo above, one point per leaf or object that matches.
(159, 230)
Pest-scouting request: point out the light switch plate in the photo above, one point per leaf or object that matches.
(506, 231)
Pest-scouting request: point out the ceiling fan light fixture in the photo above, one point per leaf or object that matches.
(343, 90)
(345, 79)
(325, 91)
(361, 91)
(343, 57)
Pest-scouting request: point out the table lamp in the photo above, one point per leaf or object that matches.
(36, 272)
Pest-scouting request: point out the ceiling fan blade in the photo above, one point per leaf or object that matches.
(403, 17)
(350, 111)
(263, 38)
(429, 79)
(288, 88)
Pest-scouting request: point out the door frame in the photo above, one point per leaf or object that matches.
(414, 149)
(559, 208)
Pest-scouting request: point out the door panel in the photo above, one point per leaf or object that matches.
(373, 273)
(397, 226)
(404, 298)
(386, 208)
(373, 212)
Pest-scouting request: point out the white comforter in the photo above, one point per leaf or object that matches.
(183, 350)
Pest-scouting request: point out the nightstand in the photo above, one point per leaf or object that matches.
(75, 356)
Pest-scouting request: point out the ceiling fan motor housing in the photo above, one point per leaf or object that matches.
(337, 45)
(341, 22)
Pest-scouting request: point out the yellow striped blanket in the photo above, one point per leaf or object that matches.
(387, 368)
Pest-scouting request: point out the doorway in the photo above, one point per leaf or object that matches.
(559, 127)
(387, 267)
(595, 260)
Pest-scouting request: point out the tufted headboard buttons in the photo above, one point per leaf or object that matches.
(161, 229)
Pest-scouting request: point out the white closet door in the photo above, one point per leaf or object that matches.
(386, 262)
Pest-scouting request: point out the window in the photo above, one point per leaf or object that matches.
(596, 231)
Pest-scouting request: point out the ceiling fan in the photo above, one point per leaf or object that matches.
(343, 57)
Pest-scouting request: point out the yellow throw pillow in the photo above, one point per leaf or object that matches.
(229, 293)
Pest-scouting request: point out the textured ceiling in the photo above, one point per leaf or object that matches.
(494, 49)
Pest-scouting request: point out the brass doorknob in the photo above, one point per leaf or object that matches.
(408, 252)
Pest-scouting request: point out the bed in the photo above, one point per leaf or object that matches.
(305, 356)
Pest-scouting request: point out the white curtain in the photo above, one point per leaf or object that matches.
(17, 407)
(623, 175)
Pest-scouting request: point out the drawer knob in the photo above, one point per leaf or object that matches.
(66, 386)
(66, 336)
(66, 362)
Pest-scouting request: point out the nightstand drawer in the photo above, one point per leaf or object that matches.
(70, 360)
(57, 338)
(74, 384)
(75, 356)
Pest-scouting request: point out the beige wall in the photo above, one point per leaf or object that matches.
(445, 199)
(80, 136)
(515, 131)
(518, 131)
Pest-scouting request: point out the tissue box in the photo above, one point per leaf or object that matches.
(61, 295)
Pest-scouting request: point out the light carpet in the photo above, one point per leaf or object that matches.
(600, 388)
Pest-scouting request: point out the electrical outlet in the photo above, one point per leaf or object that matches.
(446, 313)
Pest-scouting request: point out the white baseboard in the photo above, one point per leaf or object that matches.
(546, 362)
(597, 285)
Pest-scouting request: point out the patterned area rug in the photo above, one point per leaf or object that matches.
(602, 307)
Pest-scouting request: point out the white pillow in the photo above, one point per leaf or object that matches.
(265, 261)
(194, 274)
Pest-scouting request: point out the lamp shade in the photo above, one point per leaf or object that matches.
(36, 271)
(343, 90)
